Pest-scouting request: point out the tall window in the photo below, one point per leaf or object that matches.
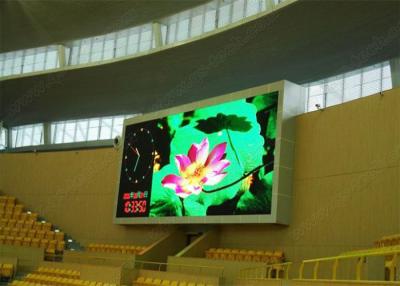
(175, 28)
(30, 60)
(208, 17)
(348, 86)
(90, 129)
(3, 138)
(113, 45)
(27, 135)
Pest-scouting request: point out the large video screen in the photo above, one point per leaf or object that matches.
(212, 161)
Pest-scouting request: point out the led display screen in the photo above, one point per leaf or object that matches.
(211, 161)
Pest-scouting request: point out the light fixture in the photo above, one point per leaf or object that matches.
(318, 106)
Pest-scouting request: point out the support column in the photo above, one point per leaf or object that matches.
(157, 35)
(61, 56)
(269, 5)
(9, 138)
(395, 70)
(3, 129)
(46, 133)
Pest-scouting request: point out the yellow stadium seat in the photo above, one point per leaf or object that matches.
(191, 284)
(23, 232)
(11, 223)
(9, 208)
(22, 216)
(18, 241)
(218, 253)
(47, 226)
(37, 225)
(10, 200)
(249, 255)
(40, 234)
(8, 215)
(157, 281)
(2, 239)
(35, 242)
(258, 256)
(266, 257)
(224, 254)
(49, 235)
(16, 215)
(19, 224)
(44, 243)
(28, 224)
(182, 283)
(241, 255)
(31, 233)
(60, 246)
(6, 231)
(14, 231)
(174, 283)
(51, 248)
(59, 236)
(26, 241)
(19, 207)
(7, 270)
(166, 283)
(9, 240)
(31, 216)
(3, 222)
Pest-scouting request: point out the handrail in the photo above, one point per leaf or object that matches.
(219, 269)
(372, 250)
(265, 272)
(391, 252)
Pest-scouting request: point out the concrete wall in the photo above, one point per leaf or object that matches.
(74, 190)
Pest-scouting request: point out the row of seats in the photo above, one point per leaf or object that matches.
(269, 257)
(7, 200)
(59, 281)
(19, 215)
(25, 283)
(388, 240)
(51, 246)
(21, 228)
(41, 234)
(6, 207)
(6, 271)
(145, 281)
(115, 248)
(59, 272)
(26, 224)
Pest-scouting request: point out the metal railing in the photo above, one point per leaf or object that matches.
(391, 254)
(270, 271)
(165, 266)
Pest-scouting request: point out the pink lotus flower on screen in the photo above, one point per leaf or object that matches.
(199, 168)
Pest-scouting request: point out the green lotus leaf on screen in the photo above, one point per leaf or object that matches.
(193, 207)
(259, 200)
(264, 101)
(174, 122)
(271, 127)
(163, 201)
